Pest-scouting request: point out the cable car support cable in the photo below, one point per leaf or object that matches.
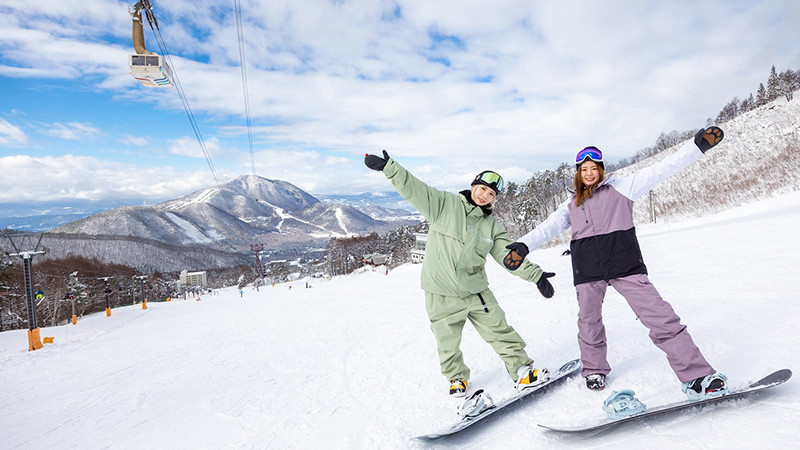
(243, 64)
(151, 19)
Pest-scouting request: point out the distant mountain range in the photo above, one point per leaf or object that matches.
(48, 215)
(221, 223)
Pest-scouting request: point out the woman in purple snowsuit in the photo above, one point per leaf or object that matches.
(605, 252)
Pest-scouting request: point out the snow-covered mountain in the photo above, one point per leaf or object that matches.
(249, 209)
(47, 215)
(379, 205)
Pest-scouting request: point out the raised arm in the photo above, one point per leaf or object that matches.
(634, 186)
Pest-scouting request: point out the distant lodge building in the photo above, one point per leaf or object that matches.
(418, 251)
(193, 279)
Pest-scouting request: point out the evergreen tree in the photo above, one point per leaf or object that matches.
(761, 95)
(773, 85)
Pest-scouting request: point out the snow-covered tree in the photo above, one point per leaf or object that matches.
(788, 82)
(747, 104)
(773, 85)
(761, 95)
(729, 111)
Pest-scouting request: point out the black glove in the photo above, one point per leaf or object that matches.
(514, 259)
(544, 286)
(708, 137)
(376, 162)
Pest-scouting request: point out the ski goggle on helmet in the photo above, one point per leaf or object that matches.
(590, 153)
(491, 179)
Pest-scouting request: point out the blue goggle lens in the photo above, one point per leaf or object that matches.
(591, 153)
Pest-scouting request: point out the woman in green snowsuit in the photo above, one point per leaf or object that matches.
(462, 233)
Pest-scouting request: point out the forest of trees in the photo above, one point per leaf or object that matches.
(778, 85)
(71, 285)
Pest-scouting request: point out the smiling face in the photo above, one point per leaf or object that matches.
(482, 195)
(590, 173)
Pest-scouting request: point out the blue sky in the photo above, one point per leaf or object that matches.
(449, 88)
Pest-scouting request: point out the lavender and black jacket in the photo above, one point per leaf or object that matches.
(603, 244)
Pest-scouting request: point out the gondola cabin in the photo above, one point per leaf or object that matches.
(150, 70)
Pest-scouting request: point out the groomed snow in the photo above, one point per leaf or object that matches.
(189, 229)
(351, 363)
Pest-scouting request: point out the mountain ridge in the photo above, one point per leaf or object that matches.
(223, 221)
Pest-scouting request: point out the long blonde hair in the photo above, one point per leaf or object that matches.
(582, 191)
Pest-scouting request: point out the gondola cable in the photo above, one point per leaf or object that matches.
(151, 19)
(243, 64)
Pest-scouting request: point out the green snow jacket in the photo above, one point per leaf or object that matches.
(461, 236)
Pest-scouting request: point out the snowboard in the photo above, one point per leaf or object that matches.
(563, 372)
(769, 381)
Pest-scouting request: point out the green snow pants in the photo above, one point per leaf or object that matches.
(448, 315)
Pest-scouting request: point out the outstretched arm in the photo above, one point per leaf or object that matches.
(426, 199)
(555, 224)
(636, 185)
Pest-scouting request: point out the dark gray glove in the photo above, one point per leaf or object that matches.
(708, 137)
(545, 288)
(514, 259)
(376, 162)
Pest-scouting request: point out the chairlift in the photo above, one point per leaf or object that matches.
(146, 67)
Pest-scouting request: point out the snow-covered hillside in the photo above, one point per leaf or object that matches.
(758, 158)
(350, 363)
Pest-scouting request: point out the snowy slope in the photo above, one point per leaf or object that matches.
(351, 363)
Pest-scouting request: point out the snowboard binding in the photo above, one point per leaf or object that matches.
(622, 404)
(475, 404)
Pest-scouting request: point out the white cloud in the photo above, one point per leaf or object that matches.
(11, 135)
(138, 141)
(191, 148)
(73, 131)
(27, 178)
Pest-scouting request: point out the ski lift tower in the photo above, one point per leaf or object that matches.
(107, 291)
(141, 278)
(34, 340)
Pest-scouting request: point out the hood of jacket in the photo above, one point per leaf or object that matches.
(487, 209)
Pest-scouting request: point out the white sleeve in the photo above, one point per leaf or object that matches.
(634, 186)
(554, 225)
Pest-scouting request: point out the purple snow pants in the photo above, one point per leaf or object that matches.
(666, 330)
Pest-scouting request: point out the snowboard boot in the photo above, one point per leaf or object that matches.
(709, 386)
(530, 377)
(596, 381)
(458, 388)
